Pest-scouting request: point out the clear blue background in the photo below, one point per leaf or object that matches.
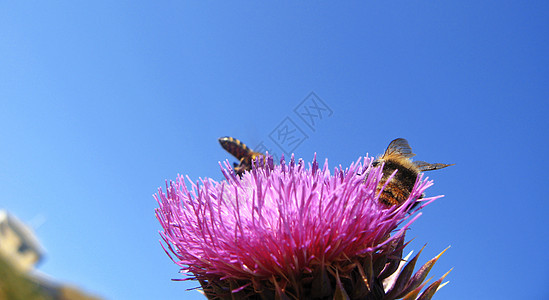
(101, 102)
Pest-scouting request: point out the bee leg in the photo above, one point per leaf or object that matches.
(417, 202)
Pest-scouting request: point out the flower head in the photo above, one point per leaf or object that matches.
(288, 230)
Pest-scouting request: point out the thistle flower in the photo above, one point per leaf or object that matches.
(291, 232)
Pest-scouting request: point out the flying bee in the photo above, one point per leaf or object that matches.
(242, 152)
(397, 157)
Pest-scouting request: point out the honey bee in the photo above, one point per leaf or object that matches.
(242, 152)
(397, 157)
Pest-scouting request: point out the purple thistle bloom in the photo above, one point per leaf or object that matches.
(289, 231)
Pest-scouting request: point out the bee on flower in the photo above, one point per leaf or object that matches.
(291, 231)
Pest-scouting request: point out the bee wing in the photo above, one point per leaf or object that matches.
(425, 166)
(400, 147)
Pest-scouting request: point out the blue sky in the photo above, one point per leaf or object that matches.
(101, 102)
